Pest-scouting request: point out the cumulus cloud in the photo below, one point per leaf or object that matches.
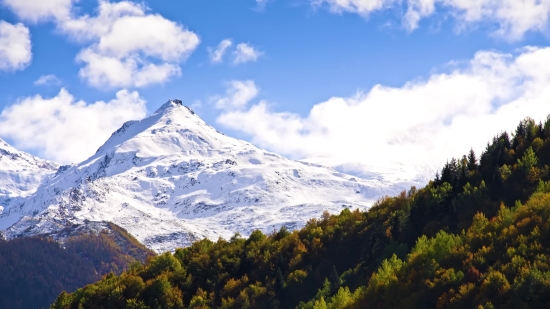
(126, 45)
(120, 56)
(513, 18)
(39, 10)
(216, 55)
(64, 129)
(103, 70)
(245, 53)
(421, 124)
(237, 96)
(15, 46)
(47, 80)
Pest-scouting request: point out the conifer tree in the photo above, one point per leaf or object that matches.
(528, 160)
(335, 281)
(472, 161)
(279, 280)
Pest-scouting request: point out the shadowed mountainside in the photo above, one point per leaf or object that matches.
(36, 269)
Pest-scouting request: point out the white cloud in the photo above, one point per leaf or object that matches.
(66, 130)
(362, 7)
(420, 124)
(38, 10)
(245, 53)
(131, 71)
(15, 46)
(417, 10)
(129, 47)
(513, 18)
(47, 80)
(242, 53)
(237, 96)
(217, 54)
(261, 4)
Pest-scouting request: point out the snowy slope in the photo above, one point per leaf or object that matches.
(171, 179)
(20, 174)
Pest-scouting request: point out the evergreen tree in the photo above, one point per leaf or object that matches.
(546, 128)
(279, 280)
(451, 172)
(446, 173)
(472, 160)
(335, 281)
(528, 160)
(320, 304)
(520, 134)
(463, 177)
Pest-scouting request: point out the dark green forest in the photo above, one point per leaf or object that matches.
(34, 270)
(476, 236)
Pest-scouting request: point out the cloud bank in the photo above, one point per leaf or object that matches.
(64, 129)
(417, 126)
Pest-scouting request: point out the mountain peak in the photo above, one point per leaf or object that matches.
(172, 128)
(176, 101)
(173, 103)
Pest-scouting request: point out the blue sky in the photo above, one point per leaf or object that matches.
(307, 88)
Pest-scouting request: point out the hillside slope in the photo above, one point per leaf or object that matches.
(35, 270)
(474, 237)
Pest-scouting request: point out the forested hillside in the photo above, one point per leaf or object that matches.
(477, 236)
(33, 271)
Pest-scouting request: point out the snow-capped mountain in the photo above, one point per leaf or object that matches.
(171, 179)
